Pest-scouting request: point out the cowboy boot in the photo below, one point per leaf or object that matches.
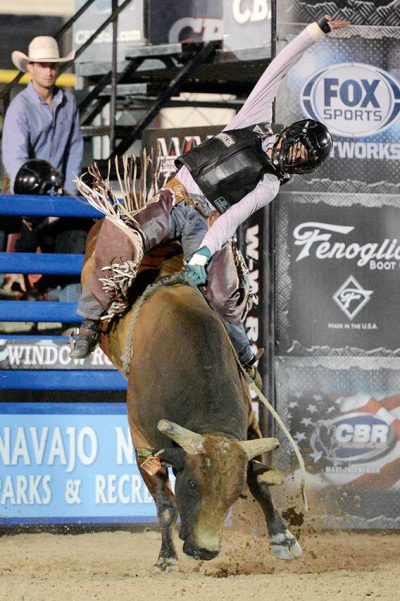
(88, 337)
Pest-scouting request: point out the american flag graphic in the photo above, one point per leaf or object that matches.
(348, 441)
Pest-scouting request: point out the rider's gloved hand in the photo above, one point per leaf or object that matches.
(195, 269)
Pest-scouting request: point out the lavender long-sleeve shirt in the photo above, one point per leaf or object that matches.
(34, 130)
(256, 109)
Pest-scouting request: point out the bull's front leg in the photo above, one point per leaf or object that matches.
(283, 543)
(159, 488)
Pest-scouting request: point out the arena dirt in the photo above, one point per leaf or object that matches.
(108, 566)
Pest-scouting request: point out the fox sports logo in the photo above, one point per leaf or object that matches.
(352, 99)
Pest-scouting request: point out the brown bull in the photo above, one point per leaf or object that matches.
(187, 398)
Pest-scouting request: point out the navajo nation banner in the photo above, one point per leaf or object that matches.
(69, 463)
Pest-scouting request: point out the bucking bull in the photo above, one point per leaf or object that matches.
(189, 408)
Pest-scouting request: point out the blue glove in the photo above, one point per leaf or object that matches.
(195, 270)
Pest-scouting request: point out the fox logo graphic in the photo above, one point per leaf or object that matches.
(352, 99)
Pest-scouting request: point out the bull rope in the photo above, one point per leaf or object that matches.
(126, 357)
(167, 280)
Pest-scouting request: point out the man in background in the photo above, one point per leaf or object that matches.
(42, 125)
(42, 122)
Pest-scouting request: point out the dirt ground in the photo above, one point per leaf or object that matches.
(108, 566)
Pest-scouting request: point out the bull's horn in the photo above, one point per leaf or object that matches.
(191, 442)
(258, 446)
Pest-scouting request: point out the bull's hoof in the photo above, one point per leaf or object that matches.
(166, 565)
(195, 552)
(285, 546)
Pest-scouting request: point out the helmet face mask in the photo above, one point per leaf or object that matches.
(302, 147)
(38, 177)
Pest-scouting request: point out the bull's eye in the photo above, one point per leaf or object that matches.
(192, 485)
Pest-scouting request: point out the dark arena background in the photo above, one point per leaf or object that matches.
(76, 519)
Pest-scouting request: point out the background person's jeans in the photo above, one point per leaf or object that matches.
(66, 294)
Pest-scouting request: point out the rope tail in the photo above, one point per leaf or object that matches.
(279, 420)
(286, 432)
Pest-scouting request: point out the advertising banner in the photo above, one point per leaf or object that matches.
(130, 30)
(254, 245)
(47, 354)
(195, 20)
(350, 81)
(247, 24)
(344, 413)
(337, 260)
(167, 144)
(337, 280)
(69, 463)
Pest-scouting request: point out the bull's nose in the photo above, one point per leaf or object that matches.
(197, 553)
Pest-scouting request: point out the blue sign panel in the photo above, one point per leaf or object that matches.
(69, 463)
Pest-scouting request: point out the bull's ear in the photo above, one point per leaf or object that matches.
(175, 457)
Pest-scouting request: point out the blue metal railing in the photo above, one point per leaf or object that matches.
(50, 264)
(80, 378)
(37, 311)
(26, 263)
(45, 206)
(61, 380)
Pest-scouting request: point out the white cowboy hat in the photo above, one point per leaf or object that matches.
(42, 49)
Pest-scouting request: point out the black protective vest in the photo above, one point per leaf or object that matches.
(229, 165)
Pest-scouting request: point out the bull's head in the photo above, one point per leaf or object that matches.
(210, 475)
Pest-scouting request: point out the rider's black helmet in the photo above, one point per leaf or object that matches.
(38, 177)
(313, 135)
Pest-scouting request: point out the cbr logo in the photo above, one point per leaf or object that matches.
(254, 10)
(197, 28)
(352, 99)
(354, 437)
